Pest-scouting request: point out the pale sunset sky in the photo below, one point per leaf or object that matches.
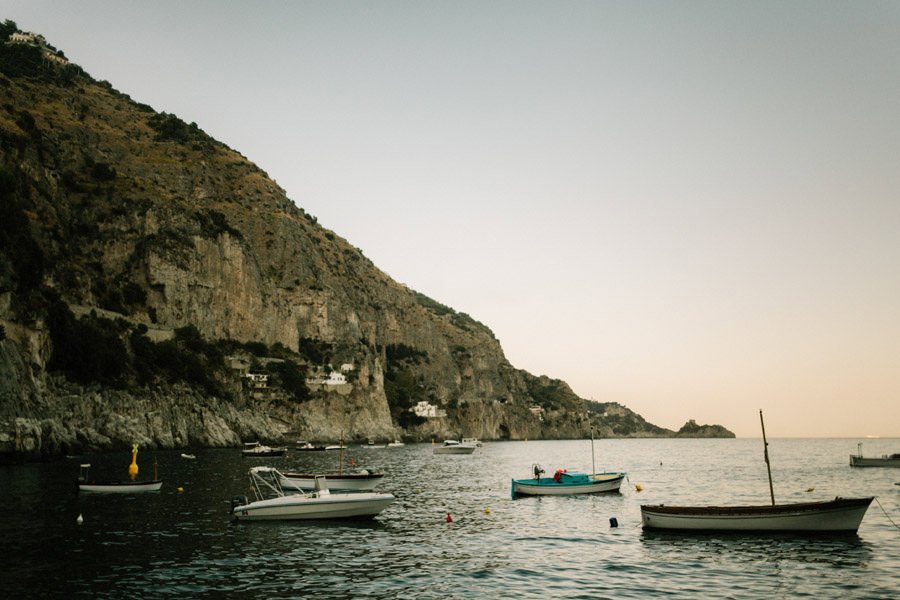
(689, 208)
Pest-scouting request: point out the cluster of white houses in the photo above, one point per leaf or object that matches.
(336, 381)
(37, 40)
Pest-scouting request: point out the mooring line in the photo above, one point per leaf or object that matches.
(885, 514)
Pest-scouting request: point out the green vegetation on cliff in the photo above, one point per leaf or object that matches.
(176, 252)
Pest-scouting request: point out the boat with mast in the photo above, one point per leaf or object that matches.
(566, 483)
(833, 516)
(85, 484)
(885, 460)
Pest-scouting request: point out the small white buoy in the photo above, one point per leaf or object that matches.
(80, 519)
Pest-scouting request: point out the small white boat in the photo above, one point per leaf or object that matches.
(257, 450)
(472, 442)
(395, 444)
(336, 447)
(885, 460)
(372, 445)
(454, 447)
(188, 456)
(308, 447)
(838, 515)
(85, 484)
(318, 504)
(359, 481)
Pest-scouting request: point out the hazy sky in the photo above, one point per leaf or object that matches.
(690, 208)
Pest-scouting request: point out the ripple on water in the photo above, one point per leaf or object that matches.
(168, 543)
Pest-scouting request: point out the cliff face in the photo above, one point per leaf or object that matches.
(163, 240)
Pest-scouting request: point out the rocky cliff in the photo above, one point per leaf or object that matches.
(156, 286)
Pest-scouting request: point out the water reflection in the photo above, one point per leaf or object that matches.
(842, 550)
(184, 543)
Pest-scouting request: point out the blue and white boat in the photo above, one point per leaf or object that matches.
(565, 483)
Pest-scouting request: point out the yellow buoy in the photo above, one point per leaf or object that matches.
(638, 487)
(180, 489)
(487, 510)
(133, 468)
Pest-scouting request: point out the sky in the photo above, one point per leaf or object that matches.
(690, 208)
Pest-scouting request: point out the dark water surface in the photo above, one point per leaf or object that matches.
(182, 544)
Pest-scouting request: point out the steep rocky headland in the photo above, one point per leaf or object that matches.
(157, 287)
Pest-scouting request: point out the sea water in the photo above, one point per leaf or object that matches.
(182, 542)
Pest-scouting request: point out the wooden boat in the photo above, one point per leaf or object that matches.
(566, 483)
(454, 447)
(85, 484)
(257, 450)
(858, 460)
(362, 480)
(272, 503)
(838, 515)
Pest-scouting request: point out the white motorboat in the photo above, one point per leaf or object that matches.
(454, 447)
(472, 442)
(395, 444)
(272, 503)
(372, 445)
(359, 481)
(257, 450)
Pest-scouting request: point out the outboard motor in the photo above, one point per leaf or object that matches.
(238, 501)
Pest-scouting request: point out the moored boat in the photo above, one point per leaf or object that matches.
(85, 484)
(318, 504)
(304, 446)
(121, 487)
(454, 447)
(885, 460)
(830, 516)
(565, 483)
(838, 515)
(257, 450)
(395, 444)
(362, 480)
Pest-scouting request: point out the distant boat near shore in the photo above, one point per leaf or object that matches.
(257, 450)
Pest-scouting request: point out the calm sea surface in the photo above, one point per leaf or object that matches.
(182, 544)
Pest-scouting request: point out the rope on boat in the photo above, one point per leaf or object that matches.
(886, 515)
